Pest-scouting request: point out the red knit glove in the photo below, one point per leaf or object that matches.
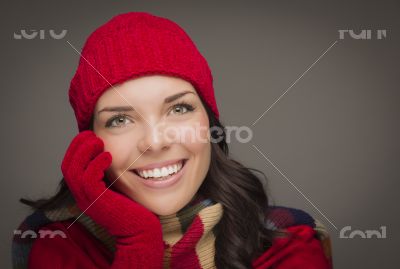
(137, 230)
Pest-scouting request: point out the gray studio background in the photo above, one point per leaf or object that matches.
(334, 135)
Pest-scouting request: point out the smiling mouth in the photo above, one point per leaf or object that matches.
(161, 173)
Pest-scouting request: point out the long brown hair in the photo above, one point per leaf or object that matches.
(241, 235)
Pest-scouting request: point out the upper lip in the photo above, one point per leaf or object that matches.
(158, 165)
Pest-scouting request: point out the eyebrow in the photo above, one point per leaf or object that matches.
(167, 100)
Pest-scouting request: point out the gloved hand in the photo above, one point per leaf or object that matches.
(137, 230)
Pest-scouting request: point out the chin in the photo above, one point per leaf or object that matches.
(161, 209)
(164, 211)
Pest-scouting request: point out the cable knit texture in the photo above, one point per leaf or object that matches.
(188, 237)
(131, 45)
(116, 232)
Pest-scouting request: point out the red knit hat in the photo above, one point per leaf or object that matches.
(132, 45)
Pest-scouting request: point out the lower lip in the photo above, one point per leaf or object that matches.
(159, 184)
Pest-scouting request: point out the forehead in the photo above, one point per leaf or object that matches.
(145, 88)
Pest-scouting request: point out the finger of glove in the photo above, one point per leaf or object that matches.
(94, 175)
(132, 217)
(83, 156)
(120, 215)
(74, 145)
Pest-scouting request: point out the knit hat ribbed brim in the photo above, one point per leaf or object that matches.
(131, 45)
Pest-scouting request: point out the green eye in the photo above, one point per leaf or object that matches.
(182, 108)
(114, 121)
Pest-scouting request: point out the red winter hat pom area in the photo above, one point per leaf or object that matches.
(132, 45)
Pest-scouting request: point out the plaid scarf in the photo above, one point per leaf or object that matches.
(188, 233)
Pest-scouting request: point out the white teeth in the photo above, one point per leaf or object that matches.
(157, 172)
(164, 172)
(161, 172)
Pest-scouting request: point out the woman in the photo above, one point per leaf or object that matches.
(147, 184)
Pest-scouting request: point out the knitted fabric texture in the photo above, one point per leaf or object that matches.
(188, 234)
(131, 45)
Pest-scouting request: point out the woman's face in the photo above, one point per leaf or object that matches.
(167, 123)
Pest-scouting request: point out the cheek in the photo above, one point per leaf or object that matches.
(120, 148)
(193, 135)
(198, 140)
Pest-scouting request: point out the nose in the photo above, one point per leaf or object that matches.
(153, 139)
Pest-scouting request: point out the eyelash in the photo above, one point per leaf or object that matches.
(189, 108)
